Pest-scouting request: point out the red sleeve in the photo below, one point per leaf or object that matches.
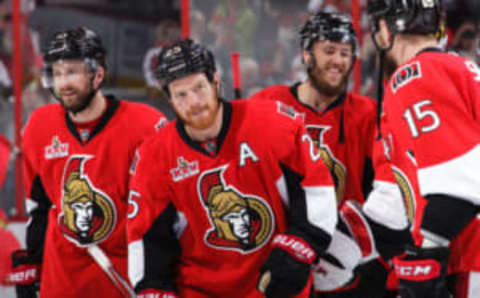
(148, 193)
(312, 200)
(37, 201)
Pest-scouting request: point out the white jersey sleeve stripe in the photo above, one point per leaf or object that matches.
(457, 177)
(136, 261)
(385, 205)
(321, 207)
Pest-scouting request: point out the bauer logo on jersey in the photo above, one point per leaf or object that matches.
(57, 149)
(184, 170)
(240, 222)
(337, 169)
(88, 215)
(405, 75)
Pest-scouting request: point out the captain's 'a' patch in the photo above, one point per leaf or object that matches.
(405, 75)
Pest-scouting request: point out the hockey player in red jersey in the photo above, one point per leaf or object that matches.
(343, 127)
(225, 204)
(431, 124)
(77, 155)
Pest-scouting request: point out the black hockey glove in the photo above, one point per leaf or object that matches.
(287, 269)
(422, 272)
(25, 274)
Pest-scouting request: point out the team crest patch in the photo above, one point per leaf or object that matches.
(289, 111)
(184, 170)
(240, 222)
(405, 75)
(56, 149)
(88, 215)
(337, 169)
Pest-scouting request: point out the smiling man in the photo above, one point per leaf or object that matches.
(343, 128)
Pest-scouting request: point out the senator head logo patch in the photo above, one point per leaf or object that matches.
(239, 222)
(88, 215)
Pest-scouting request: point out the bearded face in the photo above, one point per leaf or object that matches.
(72, 83)
(195, 100)
(329, 69)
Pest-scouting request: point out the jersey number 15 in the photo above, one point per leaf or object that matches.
(418, 112)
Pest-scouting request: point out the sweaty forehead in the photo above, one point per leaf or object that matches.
(188, 81)
(328, 44)
(68, 63)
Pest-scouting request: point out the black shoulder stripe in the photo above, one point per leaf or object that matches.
(161, 246)
(298, 223)
(37, 228)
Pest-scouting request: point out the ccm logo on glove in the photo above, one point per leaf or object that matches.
(418, 271)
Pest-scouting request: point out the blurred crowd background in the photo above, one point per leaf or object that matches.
(264, 32)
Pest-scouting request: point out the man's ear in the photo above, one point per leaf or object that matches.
(99, 77)
(216, 81)
(307, 58)
(384, 32)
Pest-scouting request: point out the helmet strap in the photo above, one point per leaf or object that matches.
(380, 90)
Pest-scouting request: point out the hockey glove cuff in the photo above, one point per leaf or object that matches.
(25, 274)
(287, 269)
(422, 272)
(147, 293)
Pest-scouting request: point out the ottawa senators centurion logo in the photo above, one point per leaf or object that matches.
(337, 169)
(88, 215)
(240, 222)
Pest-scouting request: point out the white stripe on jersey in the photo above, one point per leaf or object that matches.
(385, 205)
(282, 190)
(457, 177)
(31, 205)
(180, 224)
(321, 207)
(136, 261)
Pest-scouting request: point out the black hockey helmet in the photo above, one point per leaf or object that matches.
(182, 59)
(78, 43)
(407, 16)
(335, 27)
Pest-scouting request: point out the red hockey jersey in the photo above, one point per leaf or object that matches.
(432, 108)
(344, 133)
(77, 194)
(225, 208)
